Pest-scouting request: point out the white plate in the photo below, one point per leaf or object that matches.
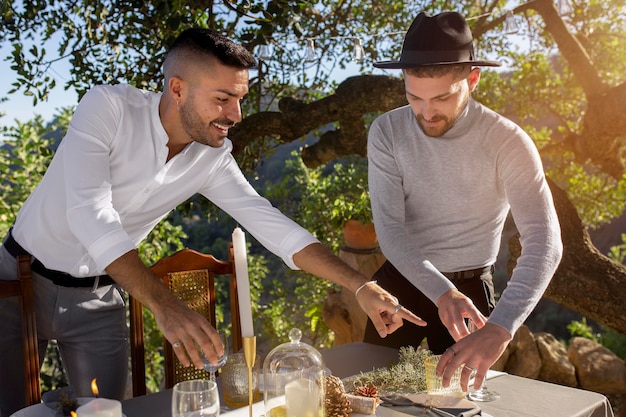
(42, 410)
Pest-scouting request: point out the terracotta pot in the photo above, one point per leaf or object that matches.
(359, 236)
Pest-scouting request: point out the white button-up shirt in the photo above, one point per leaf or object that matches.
(110, 183)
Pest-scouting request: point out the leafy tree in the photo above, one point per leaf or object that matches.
(568, 87)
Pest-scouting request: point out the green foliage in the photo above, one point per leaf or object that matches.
(598, 197)
(112, 42)
(407, 375)
(23, 161)
(324, 198)
(321, 200)
(607, 337)
(618, 252)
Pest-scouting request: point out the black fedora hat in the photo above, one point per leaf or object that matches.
(443, 39)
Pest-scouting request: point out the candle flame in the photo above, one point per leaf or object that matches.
(94, 387)
(73, 413)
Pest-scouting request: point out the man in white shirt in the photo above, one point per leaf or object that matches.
(130, 157)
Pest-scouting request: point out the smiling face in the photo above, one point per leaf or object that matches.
(210, 103)
(437, 101)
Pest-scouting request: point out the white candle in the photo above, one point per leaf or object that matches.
(243, 283)
(100, 407)
(302, 398)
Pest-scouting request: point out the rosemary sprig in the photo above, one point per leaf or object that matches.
(407, 375)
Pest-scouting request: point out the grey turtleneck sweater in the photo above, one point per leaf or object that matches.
(440, 204)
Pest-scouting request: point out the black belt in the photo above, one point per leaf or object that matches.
(472, 273)
(57, 277)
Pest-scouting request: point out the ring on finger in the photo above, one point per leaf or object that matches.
(176, 344)
(451, 351)
(468, 368)
(398, 308)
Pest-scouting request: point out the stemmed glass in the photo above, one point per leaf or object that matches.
(483, 393)
(212, 369)
(195, 398)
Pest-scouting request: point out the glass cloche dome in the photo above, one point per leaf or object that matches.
(294, 380)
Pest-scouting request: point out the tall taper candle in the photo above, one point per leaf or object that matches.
(243, 282)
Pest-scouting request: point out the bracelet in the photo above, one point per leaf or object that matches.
(362, 286)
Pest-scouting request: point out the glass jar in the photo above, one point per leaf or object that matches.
(294, 380)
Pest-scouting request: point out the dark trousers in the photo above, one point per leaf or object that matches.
(478, 289)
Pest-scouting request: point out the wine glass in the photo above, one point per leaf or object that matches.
(195, 398)
(212, 369)
(483, 393)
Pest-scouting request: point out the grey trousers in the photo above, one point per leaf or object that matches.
(89, 327)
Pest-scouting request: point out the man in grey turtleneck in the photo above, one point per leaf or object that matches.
(443, 173)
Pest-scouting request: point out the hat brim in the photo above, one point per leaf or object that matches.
(403, 65)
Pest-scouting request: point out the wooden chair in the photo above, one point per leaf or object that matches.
(190, 275)
(23, 289)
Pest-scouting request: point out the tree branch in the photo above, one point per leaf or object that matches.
(572, 50)
(354, 98)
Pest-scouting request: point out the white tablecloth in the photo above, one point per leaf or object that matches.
(519, 397)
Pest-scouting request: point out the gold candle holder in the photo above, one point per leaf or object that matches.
(249, 353)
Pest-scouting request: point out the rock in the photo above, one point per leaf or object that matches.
(524, 359)
(555, 365)
(598, 369)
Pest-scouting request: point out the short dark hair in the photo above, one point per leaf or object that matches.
(435, 71)
(208, 43)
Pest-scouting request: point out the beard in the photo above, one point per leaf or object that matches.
(444, 123)
(200, 131)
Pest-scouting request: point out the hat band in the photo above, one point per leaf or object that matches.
(435, 57)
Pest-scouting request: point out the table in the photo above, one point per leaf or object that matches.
(520, 397)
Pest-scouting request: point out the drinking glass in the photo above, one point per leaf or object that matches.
(212, 369)
(434, 384)
(234, 376)
(195, 398)
(483, 393)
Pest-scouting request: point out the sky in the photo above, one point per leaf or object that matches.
(20, 107)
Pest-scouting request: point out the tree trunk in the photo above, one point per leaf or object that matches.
(586, 281)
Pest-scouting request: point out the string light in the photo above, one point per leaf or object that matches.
(359, 53)
(263, 52)
(309, 53)
(510, 26)
(563, 6)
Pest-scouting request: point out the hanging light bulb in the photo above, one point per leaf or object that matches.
(359, 53)
(263, 52)
(563, 7)
(309, 54)
(510, 24)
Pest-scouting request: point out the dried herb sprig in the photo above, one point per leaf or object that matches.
(407, 375)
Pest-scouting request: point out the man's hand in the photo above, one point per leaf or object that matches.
(190, 334)
(377, 303)
(188, 331)
(479, 350)
(454, 309)
(473, 351)
(383, 309)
